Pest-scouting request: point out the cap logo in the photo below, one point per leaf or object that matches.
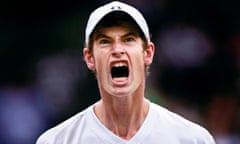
(116, 8)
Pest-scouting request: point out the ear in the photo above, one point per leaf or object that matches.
(149, 53)
(88, 57)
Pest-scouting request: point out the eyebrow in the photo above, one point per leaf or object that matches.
(101, 35)
(132, 33)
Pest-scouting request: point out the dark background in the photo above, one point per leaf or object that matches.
(31, 31)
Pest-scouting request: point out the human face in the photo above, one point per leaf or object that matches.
(119, 60)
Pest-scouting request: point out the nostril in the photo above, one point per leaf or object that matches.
(118, 53)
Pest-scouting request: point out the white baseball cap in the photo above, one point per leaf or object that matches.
(102, 11)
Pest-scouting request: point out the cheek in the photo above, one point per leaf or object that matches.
(138, 60)
(100, 61)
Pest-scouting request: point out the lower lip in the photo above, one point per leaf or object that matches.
(120, 81)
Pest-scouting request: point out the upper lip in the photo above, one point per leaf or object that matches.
(118, 63)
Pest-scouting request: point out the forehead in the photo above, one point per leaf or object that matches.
(115, 31)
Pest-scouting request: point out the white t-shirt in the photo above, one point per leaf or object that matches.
(160, 127)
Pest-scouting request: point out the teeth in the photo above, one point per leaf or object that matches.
(119, 64)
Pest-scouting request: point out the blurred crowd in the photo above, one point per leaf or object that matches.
(195, 73)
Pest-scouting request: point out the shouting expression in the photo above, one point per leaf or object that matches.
(119, 59)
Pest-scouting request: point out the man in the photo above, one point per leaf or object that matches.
(119, 51)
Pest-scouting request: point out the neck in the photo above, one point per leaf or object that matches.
(123, 117)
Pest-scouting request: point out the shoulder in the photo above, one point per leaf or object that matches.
(172, 118)
(180, 126)
(64, 129)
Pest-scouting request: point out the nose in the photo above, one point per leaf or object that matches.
(118, 49)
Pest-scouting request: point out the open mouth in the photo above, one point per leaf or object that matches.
(119, 70)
